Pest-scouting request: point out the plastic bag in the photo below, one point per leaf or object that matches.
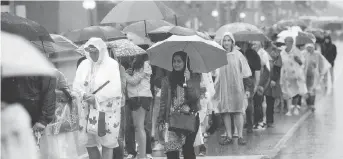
(61, 146)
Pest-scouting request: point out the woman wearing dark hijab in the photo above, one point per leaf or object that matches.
(175, 96)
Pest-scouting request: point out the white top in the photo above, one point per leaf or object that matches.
(138, 85)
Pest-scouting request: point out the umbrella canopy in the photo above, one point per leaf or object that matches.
(165, 32)
(138, 40)
(317, 32)
(24, 27)
(24, 60)
(285, 24)
(124, 47)
(62, 44)
(241, 31)
(204, 55)
(130, 11)
(139, 27)
(106, 33)
(305, 38)
(299, 36)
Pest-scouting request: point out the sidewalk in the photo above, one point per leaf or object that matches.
(259, 143)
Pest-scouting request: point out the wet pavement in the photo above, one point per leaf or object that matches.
(321, 135)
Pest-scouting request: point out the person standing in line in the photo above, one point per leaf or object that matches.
(140, 98)
(273, 90)
(329, 51)
(229, 89)
(174, 97)
(254, 111)
(91, 74)
(292, 74)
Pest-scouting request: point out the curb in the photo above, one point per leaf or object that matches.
(282, 142)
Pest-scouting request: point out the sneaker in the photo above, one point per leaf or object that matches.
(270, 125)
(296, 111)
(241, 141)
(158, 147)
(149, 156)
(202, 154)
(289, 113)
(130, 156)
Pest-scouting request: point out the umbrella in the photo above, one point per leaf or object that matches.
(241, 31)
(24, 60)
(305, 38)
(204, 55)
(284, 24)
(138, 40)
(299, 36)
(131, 11)
(62, 44)
(124, 47)
(317, 32)
(165, 32)
(24, 27)
(139, 27)
(106, 33)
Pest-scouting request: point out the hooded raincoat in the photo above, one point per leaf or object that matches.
(292, 78)
(91, 75)
(229, 89)
(316, 66)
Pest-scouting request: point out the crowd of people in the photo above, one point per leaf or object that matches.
(116, 102)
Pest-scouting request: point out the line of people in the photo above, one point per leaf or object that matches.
(139, 98)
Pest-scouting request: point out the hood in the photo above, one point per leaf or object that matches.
(327, 37)
(232, 38)
(101, 46)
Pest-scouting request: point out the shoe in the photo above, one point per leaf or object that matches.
(149, 156)
(202, 154)
(288, 113)
(158, 147)
(130, 156)
(241, 141)
(296, 111)
(270, 125)
(226, 141)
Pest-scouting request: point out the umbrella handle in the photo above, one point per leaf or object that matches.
(185, 84)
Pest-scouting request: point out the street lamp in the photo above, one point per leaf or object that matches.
(215, 13)
(262, 18)
(89, 4)
(242, 15)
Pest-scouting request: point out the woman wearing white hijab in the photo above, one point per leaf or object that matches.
(229, 89)
(92, 73)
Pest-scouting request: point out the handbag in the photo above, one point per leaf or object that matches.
(96, 122)
(183, 122)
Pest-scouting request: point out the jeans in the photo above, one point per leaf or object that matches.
(188, 148)
(250, 113)
(258, 111)
(130, 141)
(270, 109)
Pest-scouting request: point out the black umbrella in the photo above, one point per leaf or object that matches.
(26, 28)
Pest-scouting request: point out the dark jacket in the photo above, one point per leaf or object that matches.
(329, 50)
(36, 94)
(192, 92)
(275, 73)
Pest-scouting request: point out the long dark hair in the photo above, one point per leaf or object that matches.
(177, 77)
(139, 62)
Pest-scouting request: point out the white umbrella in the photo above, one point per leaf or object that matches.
(20, 58)
(204, 55)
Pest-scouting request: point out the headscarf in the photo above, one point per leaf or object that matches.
(91, 75)
(177, 77)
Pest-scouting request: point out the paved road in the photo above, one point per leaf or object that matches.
(321, 135)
